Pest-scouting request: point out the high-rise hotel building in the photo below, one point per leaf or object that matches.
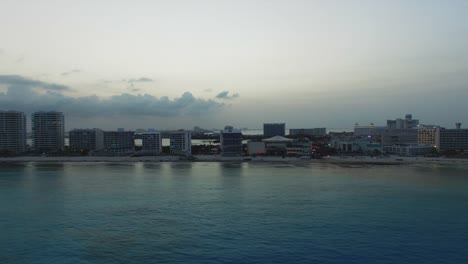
(48, 129)
(12, 132)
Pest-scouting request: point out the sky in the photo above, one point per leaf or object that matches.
(176, 64)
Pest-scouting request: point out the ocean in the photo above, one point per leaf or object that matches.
(232, 213)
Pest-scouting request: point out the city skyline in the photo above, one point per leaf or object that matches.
(212, 63)
(269, 129)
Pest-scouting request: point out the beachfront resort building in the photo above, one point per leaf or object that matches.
(151, 142)
(86, 139)
(231, 142)
(120, 141)
(409, 150)
(12, 132)
(277, 145)
(48, 130)
(361, 145)
(181, 143)
(452, 139)
(299, 148)
(281, 146)
(274, 129)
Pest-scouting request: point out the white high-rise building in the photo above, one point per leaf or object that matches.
(12, 132)
(48, 130)
(181, 143)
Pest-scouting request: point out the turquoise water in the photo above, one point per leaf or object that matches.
(232, 213)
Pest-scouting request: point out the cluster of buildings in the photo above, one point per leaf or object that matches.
(402, 136)
(274, 141)
(123, 142)
(48, 131)
(406, 137)
(48, 135)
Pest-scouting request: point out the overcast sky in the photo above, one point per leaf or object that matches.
(176, 64)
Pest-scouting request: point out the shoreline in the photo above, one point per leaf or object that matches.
(358, 160)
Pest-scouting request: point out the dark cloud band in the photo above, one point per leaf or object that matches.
(21, 95)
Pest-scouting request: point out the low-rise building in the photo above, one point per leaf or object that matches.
(277, 145)
(299, 148)
(356, 145)
(409, 150)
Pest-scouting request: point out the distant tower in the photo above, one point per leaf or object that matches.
(458, 125)
(408, 116)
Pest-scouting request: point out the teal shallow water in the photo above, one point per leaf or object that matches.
(232, 213)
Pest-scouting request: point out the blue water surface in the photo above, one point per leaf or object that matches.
(232, 213)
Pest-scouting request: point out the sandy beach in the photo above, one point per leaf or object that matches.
(392, 160)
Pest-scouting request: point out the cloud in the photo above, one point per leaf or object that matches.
(141, 79)
(18, 82)
(208, 90)
(70, 72)
(226, 95)
(20, 96)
